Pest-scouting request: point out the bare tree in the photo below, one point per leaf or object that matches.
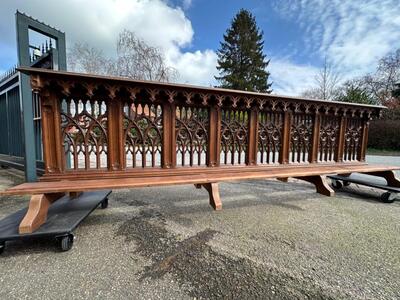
(382, 83)
(134, 59)
(83, 58)
(326, 84)
(138, 60)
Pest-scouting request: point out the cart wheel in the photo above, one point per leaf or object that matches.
(2, 246)
(346, 183)
(388, 197)
(66, 242)
(104, 203)
(337, 184)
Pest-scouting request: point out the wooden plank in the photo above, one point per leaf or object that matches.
(205, 177)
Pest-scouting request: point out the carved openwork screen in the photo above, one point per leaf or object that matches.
(234, 136)
(191, 131)
(84, 133)
(142, 125)
(270, 125)
(300, 138)
(328, 138)
(116, 125)
(352, 140)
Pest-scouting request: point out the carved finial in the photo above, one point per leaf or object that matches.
(220, 99)
(261, 103)
(153, 93)
(274, 104)
(90, 87)
(133, 91)
(112, 90)
(188, 96)
(171, 95)
(204, 98)
(285, 105)
(297, 107)
(36, 83)
(307, 108)
(248, 102)
(234, 100)
(66, 87)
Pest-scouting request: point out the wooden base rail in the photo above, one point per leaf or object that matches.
(40, 203)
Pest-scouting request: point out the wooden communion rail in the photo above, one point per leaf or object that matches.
(108, 133)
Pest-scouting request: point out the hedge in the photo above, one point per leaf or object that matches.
(384, 134)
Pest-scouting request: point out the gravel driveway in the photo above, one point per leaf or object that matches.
(272, 240)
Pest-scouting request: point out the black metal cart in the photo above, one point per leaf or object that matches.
(391, 194)
(63, 217)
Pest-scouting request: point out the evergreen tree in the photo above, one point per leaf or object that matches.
(241, 61)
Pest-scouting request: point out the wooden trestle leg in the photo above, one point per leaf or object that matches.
(37, 212)
(390, 176)
(321, 184)
(213, 192)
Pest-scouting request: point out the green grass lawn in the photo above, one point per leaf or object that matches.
(372, 151)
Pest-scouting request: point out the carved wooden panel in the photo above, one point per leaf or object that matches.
(84, 132)
(191, 127)
(234, 136)
(270, 126)
(352, 139)
(328, 138)
(142, 135)
(300, 138)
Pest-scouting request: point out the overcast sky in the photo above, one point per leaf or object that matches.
(299, 34)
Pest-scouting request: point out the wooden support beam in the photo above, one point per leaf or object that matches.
(390, 176)
(313, 157)
(213, 192)
(284, 153)
(364, 141)
(321, 184)
(37, 212)
(51, 133)
(342, 132)
(116, 147)
(214, 137)
(251, 155)
(283, 179)
(168, 158)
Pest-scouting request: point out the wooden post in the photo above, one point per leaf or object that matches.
(115, 143)
(168, 158)
(313, 157)
(342, 132)
(284, 153)
(252, 147)
(364, 141)
(214, 137)
(53, 151)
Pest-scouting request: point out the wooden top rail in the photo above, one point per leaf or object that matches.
(97, 126)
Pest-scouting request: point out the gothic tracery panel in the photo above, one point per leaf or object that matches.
(143, 135)
(300, 138)
(269, 137)
(234, 136)
(352, 139)
(328, 138)
(191, 131)
(84, 132)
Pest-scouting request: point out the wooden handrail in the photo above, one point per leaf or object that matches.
(106, 124)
